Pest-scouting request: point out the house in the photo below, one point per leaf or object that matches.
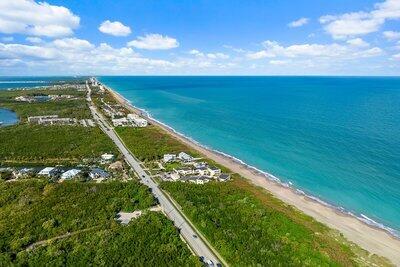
(169, 158)
(36, 119)
(175, 176)
(196, 179)
(214, 171)
(185, 157)
(23, 172)
(138, 121)
(223, 177)
(48, 171)
(199, 164)
(184, 171)
(107, 157)
(202, 170)
(120, 122)
(98, 174)
(70, 174)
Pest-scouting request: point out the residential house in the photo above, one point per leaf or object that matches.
(70, 174)
(223, 177)
(214, 171)
(98, 174)
(185, 157)
(169, 157)
(48, 171)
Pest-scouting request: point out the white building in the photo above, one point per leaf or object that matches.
(214, 171)
(185, 157)
(107, 157)
(48, 171)
(175, 176)
(185, 171)
(138, 121)
(70, 174)
(120, 122)
(169, 158)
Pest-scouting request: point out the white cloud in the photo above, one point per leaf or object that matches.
(278, 62)
(154, 42)
(72, 55)
(73, 43)
(298, 23)
(7, 39)
(334, 50)
(391, 35)
(34, 40)
(358, 42)
(196, 52)
(38, 19)
(260, 54)
(115, 28)
(396, 57)
(361, 23)
(217, 56)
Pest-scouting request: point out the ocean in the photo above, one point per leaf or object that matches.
(9, 82)
(334, 138)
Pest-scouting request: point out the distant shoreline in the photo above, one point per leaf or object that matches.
(362, 231)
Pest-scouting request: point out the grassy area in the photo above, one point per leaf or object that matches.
(151, 143)
(35, 210)
(76, 108)
(172, 165)
(52, 144)
(248, 226)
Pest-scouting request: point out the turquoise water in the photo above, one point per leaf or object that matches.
(7, 117)
(335, 138)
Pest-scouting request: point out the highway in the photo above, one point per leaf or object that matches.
(189, 234)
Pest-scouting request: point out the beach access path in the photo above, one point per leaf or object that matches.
(373, 239)
(189, 233)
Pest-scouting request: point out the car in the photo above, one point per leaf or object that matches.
(143, 176)
(195, 236)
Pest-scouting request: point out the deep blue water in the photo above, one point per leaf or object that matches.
(337, 138)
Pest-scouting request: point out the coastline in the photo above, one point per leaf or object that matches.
(363, 231)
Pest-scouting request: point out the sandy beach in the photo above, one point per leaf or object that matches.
(372, 239)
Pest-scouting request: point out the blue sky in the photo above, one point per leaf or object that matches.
(320, 37)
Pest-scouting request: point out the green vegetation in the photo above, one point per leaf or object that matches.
(248, 226)
(73, 223)
(172, 165)
(52, 144)
(151, 143)
(73, 108)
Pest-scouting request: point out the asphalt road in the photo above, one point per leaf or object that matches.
(189, 234)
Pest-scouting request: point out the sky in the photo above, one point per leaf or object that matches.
(204, 37)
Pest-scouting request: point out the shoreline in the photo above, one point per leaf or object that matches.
(368, 234)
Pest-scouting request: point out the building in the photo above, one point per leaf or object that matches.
(70, 174)
(169, 157)
(107, 157)
(185, 157)
(36, 119)
(185, 171)
(175, 176)
(223, 177)
(214, 171)
(98, 174)
(52, 120)
(195, 179)
(138, 121)
(120, 122)
(48, 171)
(23, 172)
